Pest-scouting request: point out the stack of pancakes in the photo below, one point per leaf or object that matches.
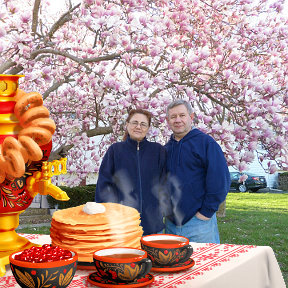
(118, 226)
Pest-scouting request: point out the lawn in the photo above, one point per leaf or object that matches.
(258, 219)
(251, 218)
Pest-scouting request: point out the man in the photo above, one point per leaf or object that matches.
(198, 177)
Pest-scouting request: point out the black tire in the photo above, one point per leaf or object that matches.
(242, 188)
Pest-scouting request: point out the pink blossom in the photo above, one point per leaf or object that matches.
(147, 83)
(252, 145)
(242, 166)
(242, 178)
(143, 21)
(248, 157)
(88, 2)
(273, 169)
(207, 119)
(155, 51)
(2, 31)
(25, 18)
(127, 56)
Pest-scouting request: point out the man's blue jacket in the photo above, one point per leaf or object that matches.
(198, 176)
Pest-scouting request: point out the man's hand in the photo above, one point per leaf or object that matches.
(201, 216)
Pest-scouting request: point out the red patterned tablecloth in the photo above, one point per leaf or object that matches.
(217, 265)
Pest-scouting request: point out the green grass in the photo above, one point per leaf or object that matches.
(251, 218)
(258, 219)
(35, 230)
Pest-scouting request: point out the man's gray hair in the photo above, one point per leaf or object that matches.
(177, 103)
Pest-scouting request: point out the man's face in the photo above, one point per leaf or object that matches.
(179, 121)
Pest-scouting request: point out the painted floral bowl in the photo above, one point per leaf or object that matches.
(57, 273)
(166, 249)
(121, 264)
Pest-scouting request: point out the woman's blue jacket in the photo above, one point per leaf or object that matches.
(133, 173)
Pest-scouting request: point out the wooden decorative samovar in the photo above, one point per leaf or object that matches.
(25, 145)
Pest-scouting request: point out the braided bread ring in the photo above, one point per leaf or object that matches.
(45, 123)
(31, 148)
(39, 135)
(15, 163)
(32, 114)
(37, 130)
(10, 143)
(27, 102)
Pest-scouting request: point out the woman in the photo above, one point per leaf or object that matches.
(132, 173)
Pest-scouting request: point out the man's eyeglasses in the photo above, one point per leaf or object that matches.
(143, 125)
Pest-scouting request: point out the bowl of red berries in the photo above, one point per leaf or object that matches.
(44, 266)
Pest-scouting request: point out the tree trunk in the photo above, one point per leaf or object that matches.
(222, 210)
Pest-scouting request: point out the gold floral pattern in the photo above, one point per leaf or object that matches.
(64, 280)
(95, 278)
(168, 256)
(125, 272)
(163, 259)
(129, 273)
(44, 278)
(25, 278)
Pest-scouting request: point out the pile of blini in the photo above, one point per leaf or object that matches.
(94, 226)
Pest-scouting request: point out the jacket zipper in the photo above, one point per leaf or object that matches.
(140, 182)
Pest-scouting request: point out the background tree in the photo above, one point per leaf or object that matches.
(93, 60)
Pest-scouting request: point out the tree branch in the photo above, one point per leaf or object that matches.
(80, 61)
(147, 70)
(155, 92)
(99, 131)
(64, 18)
(109, 57)
(63, 150)
(55, 86)
(35, 16)
(15, 70)
(7, 65)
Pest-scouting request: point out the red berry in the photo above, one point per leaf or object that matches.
(46, 253)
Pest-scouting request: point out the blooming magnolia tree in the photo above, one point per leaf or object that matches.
(93, 60)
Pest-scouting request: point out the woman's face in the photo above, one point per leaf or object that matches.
(138, 126)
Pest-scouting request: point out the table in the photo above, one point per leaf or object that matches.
(217, 266)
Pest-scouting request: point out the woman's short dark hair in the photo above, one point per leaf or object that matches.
(132, 112)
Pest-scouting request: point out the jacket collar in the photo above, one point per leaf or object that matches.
(194, 131)
(134, 143)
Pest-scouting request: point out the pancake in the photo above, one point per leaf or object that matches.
(97, 237)
(117, 226)
(99, 228)
(113, 215)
